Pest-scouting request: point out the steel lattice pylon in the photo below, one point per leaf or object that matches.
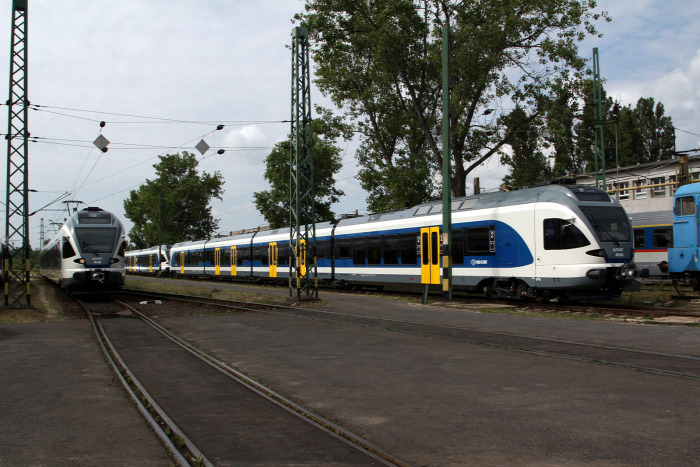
(302, 211)
(16, 245)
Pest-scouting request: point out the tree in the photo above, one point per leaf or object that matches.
(379, 60)
(568, 129)
(181, 195)
(273, 204)
(658, 136)
(528, 162)
(631, 135)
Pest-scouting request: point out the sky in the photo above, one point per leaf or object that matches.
(162, 74)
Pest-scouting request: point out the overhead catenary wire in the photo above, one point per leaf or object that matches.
(43, 108)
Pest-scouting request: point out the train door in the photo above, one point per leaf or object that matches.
(217, 261)
(508, 251)
(430, 255)
(234, 260)
(150, 263)
(182, 262)
(301, 254)
(272, 255)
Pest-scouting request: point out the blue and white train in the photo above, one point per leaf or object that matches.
(544, 242)
(154, 260)
(87, 253)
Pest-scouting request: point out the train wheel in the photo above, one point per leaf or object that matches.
(489, 289)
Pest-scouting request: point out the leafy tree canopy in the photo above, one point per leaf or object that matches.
(183, 196)
(273, 204)
(631, 135)
(380, 61)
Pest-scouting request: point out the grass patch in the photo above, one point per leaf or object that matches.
(172, 286)
(22, 315)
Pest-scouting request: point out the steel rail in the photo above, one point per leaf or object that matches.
(422, 328)
(279, 400)
(110, 354)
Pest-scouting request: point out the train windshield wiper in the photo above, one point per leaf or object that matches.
(602, 230)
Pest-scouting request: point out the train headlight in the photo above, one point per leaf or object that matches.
(600, 252)
(79, 261)
(594, 274)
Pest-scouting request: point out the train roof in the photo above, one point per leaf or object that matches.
(573, 194)
(690, 189)
(93, 217)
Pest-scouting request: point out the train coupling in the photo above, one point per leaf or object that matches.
(628, 274)
(98, 276)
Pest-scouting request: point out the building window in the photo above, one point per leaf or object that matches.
(622, 186)
(672, 179)
(639, 191)
(658, 191)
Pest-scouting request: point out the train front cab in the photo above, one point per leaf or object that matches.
(683, 257)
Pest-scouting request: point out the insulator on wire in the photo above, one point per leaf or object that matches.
(220, 127)
(220, 151)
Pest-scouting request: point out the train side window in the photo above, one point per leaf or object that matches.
(663, 238)
(481, 241)
(424, 253)
(358, 251)
(283, 254)
(560, 234)
(343, 248)
(458, 246)
(323, 249)
(374, 250)
(243, 255)
(639, 238)
(685, 206)
(391, 249)
(409, 249)
(68, 250)
(210, 257)
(260, 253)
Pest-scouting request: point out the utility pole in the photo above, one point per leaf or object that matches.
(303, 278)
(16, 260)
(446, 172)
(598, 122)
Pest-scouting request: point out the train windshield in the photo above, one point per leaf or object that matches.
(610, 223)
(96, 240)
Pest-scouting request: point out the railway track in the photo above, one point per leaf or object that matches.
(684, 366)
(207, 413)
(601, 308)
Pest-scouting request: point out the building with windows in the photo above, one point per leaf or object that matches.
(645, 187)
(646, 192)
